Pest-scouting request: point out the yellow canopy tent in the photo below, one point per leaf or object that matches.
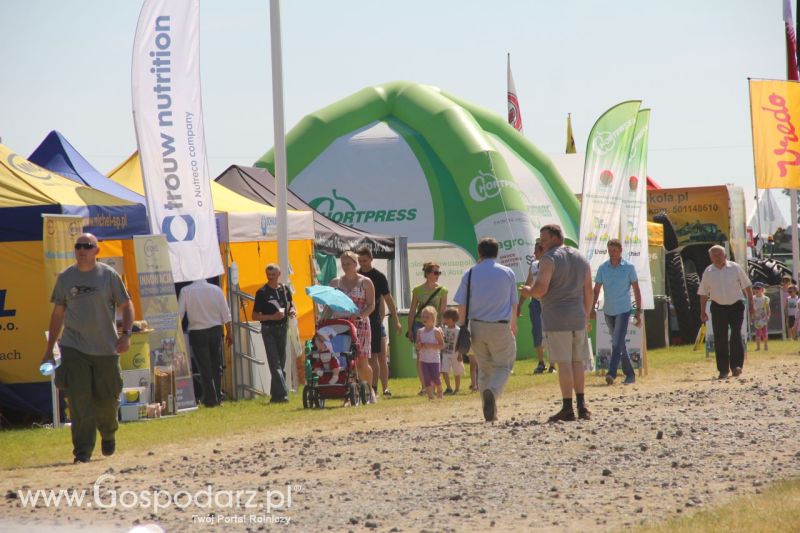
(247, 236)
(26, 192)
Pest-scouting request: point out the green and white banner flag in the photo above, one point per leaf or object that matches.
(607, 154)
(633, 218)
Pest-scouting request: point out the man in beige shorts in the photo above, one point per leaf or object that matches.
(564, 287)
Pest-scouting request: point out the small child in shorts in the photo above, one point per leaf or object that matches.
(452, 361)
(786, 282)
(761, 315)
(430, 342)
(791, 310)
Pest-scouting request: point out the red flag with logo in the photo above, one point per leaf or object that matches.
(791, 42)
(514, 116)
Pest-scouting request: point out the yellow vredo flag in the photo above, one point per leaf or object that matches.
(775, 113)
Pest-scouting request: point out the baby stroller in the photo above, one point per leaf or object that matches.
(340, 338)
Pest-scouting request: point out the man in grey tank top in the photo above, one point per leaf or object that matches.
(564, 287)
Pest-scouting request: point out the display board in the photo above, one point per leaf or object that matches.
(160, 310)
(706, 215)
(634, 341)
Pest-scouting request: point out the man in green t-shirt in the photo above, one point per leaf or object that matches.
(85, 298)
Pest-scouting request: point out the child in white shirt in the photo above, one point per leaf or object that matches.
(791, 310)
(761, 315)
(430, 342)
(451, 359)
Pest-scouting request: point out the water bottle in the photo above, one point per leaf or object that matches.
(308, 370)
(47, 368)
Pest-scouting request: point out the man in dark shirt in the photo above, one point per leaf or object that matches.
(378, 359)
(273, 305)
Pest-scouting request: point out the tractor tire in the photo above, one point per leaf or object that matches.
(779, 267)
(679, 295)
(692, 284)
(698, 254)
(688, 266)
(786, 271)
(766, 271)
(670, 237)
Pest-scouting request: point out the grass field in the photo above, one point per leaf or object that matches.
(777, 509)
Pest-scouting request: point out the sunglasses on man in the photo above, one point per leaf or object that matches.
(435, 272)
(85, 245)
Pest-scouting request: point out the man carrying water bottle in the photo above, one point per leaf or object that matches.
(85, 297)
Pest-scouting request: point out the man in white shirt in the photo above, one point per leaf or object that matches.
(723, 282)
(205, 306)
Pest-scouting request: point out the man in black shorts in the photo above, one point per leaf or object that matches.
(380, 366)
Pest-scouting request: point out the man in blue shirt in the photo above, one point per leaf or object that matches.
(616, 277)
(492, 321)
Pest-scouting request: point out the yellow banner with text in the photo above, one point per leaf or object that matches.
(776, 145)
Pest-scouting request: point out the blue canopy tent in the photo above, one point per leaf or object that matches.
(56, 154)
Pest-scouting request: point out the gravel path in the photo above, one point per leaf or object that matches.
(648, 454)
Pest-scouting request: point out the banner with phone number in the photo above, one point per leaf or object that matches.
(698, 214)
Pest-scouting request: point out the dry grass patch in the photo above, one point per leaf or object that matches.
(776, 510)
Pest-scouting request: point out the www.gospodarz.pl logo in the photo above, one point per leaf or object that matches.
(219, 504)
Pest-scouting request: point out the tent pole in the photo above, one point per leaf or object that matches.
(280, 137)
(793, 224)
(755, 174)
(56, 403)
(758, 214)
(793, 74)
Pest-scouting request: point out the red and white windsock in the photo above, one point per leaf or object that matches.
(514, 115)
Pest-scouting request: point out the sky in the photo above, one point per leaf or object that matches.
(67, 68)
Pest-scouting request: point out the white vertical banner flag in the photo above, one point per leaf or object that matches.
(514, 114)
(168, 116)
(607, 153)
(633, 218)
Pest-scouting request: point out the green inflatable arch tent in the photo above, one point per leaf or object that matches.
(411, 160)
